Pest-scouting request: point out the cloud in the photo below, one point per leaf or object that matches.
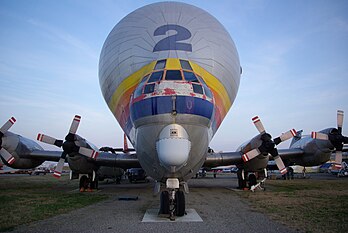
(65, 37)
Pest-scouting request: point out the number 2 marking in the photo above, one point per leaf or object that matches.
(172, 42)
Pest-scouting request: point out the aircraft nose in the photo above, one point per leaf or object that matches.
(173, 147)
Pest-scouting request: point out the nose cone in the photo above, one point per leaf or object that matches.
(173, 147)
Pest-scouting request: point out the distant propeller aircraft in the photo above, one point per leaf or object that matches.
(169, 73)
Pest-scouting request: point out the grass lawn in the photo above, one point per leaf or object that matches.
(25, 199)
(307, 205)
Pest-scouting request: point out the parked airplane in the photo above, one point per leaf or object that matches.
(169, 73)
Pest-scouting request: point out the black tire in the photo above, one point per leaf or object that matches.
(252, 180)
(164, 203)
(179, 203)
(241, 182)
(84, 182)
(94, 184)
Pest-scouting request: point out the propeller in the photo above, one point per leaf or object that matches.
(68, 145)
(268, 145)
(3, 152)
(335, 137)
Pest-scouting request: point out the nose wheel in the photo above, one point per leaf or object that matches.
(172, 204)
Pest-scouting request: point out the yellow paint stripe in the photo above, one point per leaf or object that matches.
(129, 82)
(214, 84)
(173, 64)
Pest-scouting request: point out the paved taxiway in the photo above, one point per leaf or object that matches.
(219, 207)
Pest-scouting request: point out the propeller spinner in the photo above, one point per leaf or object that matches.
(3, 152)
(68, 145)
(268, 145)
(335, 137)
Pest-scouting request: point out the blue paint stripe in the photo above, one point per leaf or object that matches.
(163, 104)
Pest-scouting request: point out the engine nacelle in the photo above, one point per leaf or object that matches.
(20, 147)
(316, 151)
(258, 163)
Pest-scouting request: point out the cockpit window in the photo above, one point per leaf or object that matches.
(207, 92)
(185, 65)
(191, 77)
(139, 89)
(173, 75)
(160, 65)
(156, 76)
(149, 88)
(197, 89)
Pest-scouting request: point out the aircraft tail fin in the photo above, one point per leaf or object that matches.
(297, 137)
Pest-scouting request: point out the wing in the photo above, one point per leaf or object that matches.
(121, 160)
(223, 159)
(290, 154)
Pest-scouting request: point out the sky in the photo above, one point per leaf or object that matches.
(294, 56)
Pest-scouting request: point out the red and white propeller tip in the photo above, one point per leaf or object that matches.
(7, 125)
(75, 124)
(250, 155)
(7, 156)
(320, 136)
(257, 122)
(3, 152)
(59, 168)
(88, 152)
(46, 139)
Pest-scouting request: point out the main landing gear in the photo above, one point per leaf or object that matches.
(248, 181)
(172, 200)
(88, 182)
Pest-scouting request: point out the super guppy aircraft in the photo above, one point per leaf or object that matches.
(169, 73)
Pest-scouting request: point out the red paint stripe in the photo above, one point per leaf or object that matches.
(283, 171)
(11, 160)
(293, 132)
(57, 174)
(245, 158)
(12, 120)
(314, 135)
(255, 118)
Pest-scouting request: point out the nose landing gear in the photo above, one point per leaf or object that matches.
(172, 202)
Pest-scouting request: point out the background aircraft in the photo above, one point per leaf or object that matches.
(169, 86)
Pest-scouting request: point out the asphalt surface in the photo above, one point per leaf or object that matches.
(214, 200)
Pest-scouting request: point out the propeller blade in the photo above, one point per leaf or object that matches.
(250, 155)
(340, 115)
(320, 136)
(7, 125)
(285, 136)
(59, 168)
(125, 144)
(338, 157)
(280, 165)
(46, 139)
(7, 156)
(88, 152)
(75, 124)
(258, 124)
